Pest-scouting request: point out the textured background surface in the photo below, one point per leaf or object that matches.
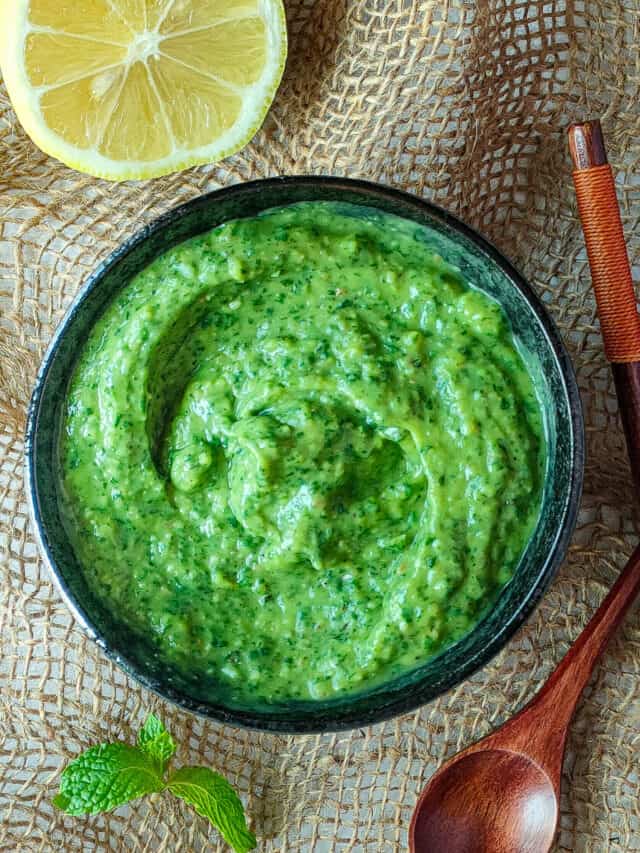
(465, 103)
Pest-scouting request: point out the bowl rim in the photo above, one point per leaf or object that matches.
(408, 698)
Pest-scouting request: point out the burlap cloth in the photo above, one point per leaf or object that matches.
(466, 104)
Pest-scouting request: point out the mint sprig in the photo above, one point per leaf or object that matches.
(111, 774)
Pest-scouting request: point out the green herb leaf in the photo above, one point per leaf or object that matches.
(213, 797)
(156, 741)
(107, 776)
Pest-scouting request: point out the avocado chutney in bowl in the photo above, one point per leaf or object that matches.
(304, 454)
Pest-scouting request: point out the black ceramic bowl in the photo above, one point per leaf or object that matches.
(549, 365)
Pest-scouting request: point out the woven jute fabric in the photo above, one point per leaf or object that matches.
(464, 103)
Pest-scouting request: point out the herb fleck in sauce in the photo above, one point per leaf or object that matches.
(300, 454)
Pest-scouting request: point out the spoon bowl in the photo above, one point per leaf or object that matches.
(493, 799)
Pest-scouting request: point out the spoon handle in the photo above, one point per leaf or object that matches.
(610, 274)
(540, 729)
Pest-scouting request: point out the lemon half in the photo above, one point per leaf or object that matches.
(127, 89)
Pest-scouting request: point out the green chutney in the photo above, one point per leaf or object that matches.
(300, 455)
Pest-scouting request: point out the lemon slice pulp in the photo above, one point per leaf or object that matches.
(138, 88)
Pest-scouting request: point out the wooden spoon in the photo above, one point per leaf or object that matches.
(501, 794)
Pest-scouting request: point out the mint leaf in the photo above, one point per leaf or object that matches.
(155, 741)
(152, 729)
(213, 797)
(107, 776)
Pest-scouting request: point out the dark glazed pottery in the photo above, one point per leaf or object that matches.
(539, 343)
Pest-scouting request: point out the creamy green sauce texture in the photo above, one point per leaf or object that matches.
(300, 455)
